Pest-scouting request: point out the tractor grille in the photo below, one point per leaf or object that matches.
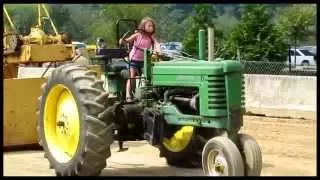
(216, 92)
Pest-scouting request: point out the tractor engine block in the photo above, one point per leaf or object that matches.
(129, 122)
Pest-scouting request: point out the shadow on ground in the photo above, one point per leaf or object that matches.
(267, 165)
(151, 171)
(128, 144)
(141, 170)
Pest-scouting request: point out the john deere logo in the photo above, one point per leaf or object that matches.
(185, 78)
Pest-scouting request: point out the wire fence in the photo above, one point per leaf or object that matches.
(278, 68)
(261, 67)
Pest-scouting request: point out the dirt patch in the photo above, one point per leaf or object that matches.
(288, 146)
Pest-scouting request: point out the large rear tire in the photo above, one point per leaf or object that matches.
(251, 154)
(72, 129)
(221, 157)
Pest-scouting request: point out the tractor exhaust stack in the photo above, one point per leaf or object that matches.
(210, 44)
(201, 44)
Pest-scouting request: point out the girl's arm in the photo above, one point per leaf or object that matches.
(129, 39)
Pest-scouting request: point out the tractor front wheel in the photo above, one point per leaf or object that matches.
(251, 154)
(221, 157)
(72, 129)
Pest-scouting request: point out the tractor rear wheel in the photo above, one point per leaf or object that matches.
(184, 147)
(221, 157)
(72, 129)
(251, 154)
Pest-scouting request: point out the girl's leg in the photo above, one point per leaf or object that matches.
(130, 83)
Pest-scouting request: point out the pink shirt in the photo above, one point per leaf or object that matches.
(142, 42)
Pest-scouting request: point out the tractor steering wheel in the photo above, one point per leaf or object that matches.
(124, 36)
(159, 57)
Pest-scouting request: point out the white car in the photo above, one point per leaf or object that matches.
(171, 49)
(81, 47)
(311, 49)
(302, 57)
(79, 44)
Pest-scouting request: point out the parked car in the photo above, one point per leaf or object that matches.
(171, 49)
(85, 49)
(302, 57)
(311, 49)
(79, 44)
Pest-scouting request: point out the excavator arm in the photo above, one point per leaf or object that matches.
(37, 47)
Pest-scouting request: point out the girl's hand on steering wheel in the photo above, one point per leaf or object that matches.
(122, 41)
(154, 56)
(123, 38)
(158, 53)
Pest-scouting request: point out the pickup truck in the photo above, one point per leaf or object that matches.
(302, 57)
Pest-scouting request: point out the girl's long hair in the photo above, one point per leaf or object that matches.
(143, 22)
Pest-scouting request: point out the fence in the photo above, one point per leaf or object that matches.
(277, 68)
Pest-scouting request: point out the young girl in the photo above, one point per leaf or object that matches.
(142, 38)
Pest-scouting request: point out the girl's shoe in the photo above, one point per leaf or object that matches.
(129, 99)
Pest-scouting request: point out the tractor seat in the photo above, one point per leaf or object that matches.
(118, 65)
(113, 53)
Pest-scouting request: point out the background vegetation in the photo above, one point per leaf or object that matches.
(252, 32)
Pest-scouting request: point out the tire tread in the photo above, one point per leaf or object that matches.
(92, 157)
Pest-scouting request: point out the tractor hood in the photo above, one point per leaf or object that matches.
(200, 67)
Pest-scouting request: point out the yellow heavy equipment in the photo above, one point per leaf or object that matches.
(21, 94)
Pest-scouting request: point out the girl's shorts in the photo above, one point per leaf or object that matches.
(136, 64)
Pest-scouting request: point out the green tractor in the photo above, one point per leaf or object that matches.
(191, 109)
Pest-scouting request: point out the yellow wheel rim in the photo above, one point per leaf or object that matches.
(179, 140)
(61, 123)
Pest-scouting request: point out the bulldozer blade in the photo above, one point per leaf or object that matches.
(20, 119)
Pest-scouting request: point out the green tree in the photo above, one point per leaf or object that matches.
(255, 37)
(83, 16)
(234, 10)
(226, 23)
(163, 20)
(24, 16)
(202, 19)
(177, 29)
(60, 16)
(298, 22)
(171, 22)
(105, 23)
